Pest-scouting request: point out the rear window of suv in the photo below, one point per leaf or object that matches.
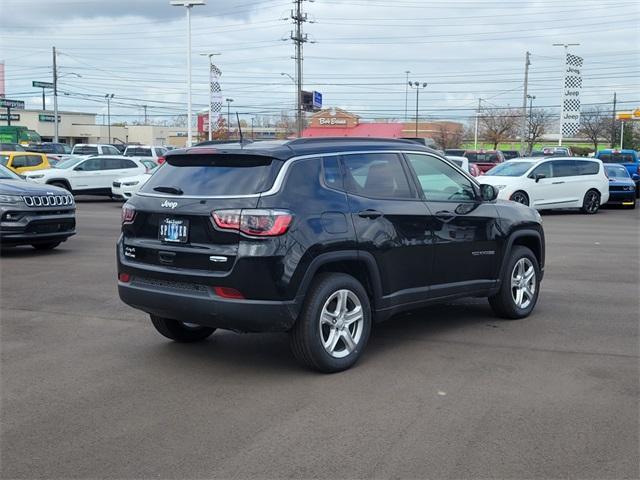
(616, 158)
(85, 150)
(215, 175)
(138, 152)
(482, 157)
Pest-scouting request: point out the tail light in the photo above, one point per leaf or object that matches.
(254, 222)
(228, 292)
(128, 213)
(124, 277)
(160, 160)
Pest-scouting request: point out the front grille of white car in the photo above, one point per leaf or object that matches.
(47, 200)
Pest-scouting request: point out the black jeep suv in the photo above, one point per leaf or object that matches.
(42, 216)
(320, 238)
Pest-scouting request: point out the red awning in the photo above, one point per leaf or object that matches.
(384, 130)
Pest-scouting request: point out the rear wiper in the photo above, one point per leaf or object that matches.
(171, 190)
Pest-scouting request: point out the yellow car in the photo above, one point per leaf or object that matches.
(24, 161)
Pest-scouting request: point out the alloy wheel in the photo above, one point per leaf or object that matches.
(341, 323)
(592, 202)
(520, 198)
(523, 283)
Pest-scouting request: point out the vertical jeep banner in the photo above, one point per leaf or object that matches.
(215, 95)
(570, 115)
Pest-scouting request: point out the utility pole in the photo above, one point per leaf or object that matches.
(406, 96)
(613, 122)
(621, 133)
(145, 114)
(564, 79)
(529, 131)
(55, 97)
(475, 135)
(523, 131)
(417, 86)
(299, 39)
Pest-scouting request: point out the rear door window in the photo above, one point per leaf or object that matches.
(215, 175)
(34, 160)
(564, 168)
(376, 175)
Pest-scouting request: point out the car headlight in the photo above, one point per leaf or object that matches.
(35, 176)
(131, 184)
(10, 199)
(500, 187)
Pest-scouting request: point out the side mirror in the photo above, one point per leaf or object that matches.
(488, 193)
(539, 176)
(635, 177)
(79, 168)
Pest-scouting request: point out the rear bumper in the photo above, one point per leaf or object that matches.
(167, 293)
(205, 308)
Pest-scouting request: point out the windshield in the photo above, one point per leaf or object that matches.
(482, 157)
(510, 169)
(616, 171)
(85, 150)
(68, 163)
(138, 152)
(6, 174)
(214, 175)
(616, 158)
(4, 159)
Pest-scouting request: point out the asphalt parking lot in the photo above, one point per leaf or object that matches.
(89, 389)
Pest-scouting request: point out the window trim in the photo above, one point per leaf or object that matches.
(474, 183)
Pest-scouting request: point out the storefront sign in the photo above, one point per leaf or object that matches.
(45, 117)
(332, 121)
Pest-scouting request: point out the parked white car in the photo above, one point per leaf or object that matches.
(553, 182)
(127, 187)
(145, 151)
(94, 149)
(91, 175)
(462, 162)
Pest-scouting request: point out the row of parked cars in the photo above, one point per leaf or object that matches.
(553, 179)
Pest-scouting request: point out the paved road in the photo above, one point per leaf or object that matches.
(90, 390)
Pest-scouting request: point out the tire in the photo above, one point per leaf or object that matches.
(520, 197)
(507, 303)
(322, 339)
(60, 185)
(591, 202)
(45, 246)
(180, 331)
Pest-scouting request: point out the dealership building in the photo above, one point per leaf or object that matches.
(81, 127)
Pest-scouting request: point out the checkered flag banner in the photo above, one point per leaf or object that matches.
(215, 95)
(571, 95)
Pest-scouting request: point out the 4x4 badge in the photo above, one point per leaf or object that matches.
(168, 204)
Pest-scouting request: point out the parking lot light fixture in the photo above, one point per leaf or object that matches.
(417, 86)
(189, 4)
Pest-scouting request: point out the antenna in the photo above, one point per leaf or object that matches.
(239, 128)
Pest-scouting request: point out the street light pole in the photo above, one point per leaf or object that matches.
(417, 86)
(55, 97)
(109, 96)
(406, 96)
(229, 100)
(475, 134)
(189, 4)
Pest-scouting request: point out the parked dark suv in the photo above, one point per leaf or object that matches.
(319, 237)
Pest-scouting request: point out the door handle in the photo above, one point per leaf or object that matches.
(556, 183)
(369, 213)
(445, 215)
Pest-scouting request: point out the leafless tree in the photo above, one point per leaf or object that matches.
(498, 125)
(287, 124)
(595, 124)
(539, 122)
(448, 135)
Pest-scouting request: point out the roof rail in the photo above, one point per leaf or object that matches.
(302, 140)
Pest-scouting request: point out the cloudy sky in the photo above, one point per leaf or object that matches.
(357, 55)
